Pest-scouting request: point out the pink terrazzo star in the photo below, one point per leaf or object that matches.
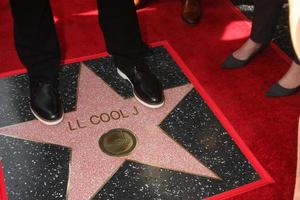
(100, 109)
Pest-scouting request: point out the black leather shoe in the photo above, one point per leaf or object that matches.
(231, 62)
(146, 87)
(45, 103)
(277, 90)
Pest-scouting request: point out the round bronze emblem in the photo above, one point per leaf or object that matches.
(117, 142)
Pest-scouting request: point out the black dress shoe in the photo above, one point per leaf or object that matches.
(146, 87)
(277, 90)
(45, 103)
(231, 62)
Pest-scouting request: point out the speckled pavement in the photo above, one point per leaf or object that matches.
(184, 150)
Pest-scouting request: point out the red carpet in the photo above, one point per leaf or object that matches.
(268, 126)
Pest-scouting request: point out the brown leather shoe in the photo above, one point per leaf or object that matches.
(140, 3)
(191, 11)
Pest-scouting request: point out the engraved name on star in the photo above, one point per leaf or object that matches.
(90, 168)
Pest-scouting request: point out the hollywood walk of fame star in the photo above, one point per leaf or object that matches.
(90, 168)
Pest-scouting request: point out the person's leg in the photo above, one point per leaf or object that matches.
(35, 39)
(38, 49)
(289, 84)
(291, 79)
(266, 13)
(119, 23)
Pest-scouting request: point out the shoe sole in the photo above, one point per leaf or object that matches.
(47, 122)
(191, 24)
(124, 76)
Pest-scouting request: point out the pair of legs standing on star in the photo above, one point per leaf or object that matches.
(38, 48)
(266, 14)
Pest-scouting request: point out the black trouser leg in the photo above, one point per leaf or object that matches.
(37, 43)
(266, 13)
(35, 39)
(119, 23)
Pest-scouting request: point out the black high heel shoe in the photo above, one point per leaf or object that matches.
(231, 62)
(276, 90)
